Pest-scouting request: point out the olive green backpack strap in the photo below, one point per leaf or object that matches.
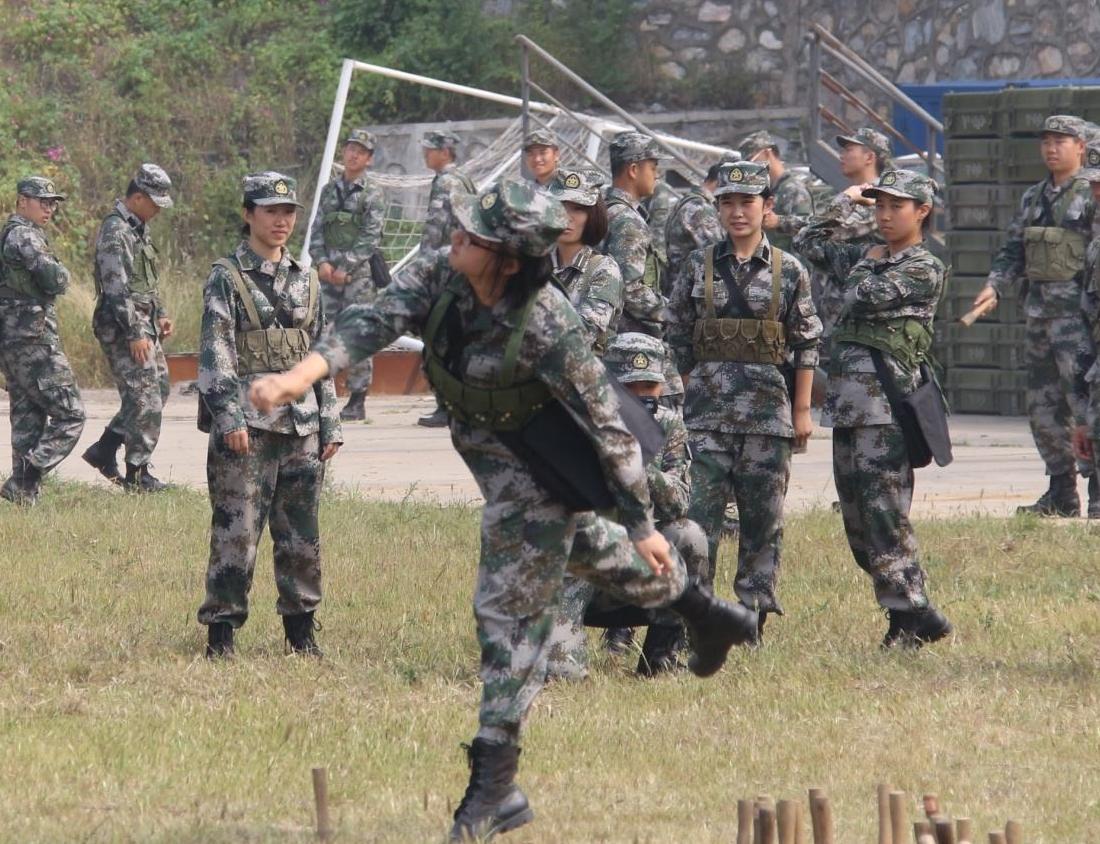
(708, 281)
(311, 300)
(515, 340)
(243, 291)
(777, 282)
(437, 313)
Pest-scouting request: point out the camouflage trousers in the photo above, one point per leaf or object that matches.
(874, 482)
(567, 658)
(143, 389)
(336, 300)
(44, 405)
(278, 483)
(1059, 352)
(528, 542)
(755, 471)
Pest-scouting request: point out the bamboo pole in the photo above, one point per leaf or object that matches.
(885, 828)
(786, 816)
(898, 816)
(320, 799)
(744, 822)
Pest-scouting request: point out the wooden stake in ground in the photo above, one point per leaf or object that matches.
(922, 833)
(996, 837)
(964, 831)
(320, 799)
(767, 825)
(898, 816)
(744, 822)
(786, 820)
(885, 828)
(945, 830)
(799, 826)
(821, 814)
(1014, 833)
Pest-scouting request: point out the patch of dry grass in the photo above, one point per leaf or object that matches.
(114, 729)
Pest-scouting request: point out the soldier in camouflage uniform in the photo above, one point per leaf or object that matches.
(1046, 246)
(592, 280)
(638, 361)
(261, 313)
(863, 156)
(541, 156)
(739, 311)
(891, 293)
(692, 224)
(656, 209)
(513, 341)
(440, 152)
(1088, 435)
(793, 204)
(44, 403)
(130, 321)
(346, 233)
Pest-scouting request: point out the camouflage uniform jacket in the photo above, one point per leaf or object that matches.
(555, 350)
(595, 289)
(692, 225)
(656, 210)
(360, 197)
(223, 315)
(1090, 296)
(1047, 299)
(908, 284)
(847, 222)
(25, 321)
(730, 397)
(669, 473)
(122, 235)
(440, 221)
(793, 205)
(629, 244)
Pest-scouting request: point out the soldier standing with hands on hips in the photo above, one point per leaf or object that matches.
(346, 233)
(130, 321)
(46, 412)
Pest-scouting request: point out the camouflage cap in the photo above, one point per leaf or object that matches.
(1065, 124)
(440, 140)
(363, 137)
(757, 141)
(152, 181)
(271, 188)
(525, 219)
(866, 137)
(540, 138)
(749, 177)
(634, 146)
(38, 187)
(579, 186)
(1091, 170)
(908, 184)
(633, 356)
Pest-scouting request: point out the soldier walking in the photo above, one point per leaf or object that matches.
(346, 233)
(130, 321)
(793, 204)
(44, 403)
(261, 314)
(1045, 251)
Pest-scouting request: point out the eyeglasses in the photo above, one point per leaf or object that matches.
(48, 204)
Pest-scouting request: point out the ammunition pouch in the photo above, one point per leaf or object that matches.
(341, 228)
(907, 340)
(17, 282)
(272, 349)
(1052, 253)
(146, 277)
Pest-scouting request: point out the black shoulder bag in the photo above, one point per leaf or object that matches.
(921, 415)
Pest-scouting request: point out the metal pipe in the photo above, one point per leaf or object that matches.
(838, 88)
(607, 103)
(332, 139)
(525, 92)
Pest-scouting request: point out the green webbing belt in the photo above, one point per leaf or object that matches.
(907, 339)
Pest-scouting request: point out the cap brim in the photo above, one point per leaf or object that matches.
(748, 190)
(872, 192)
(277, 200)
(358, 143)
(635, 375)
(467, 210)
(161, 200)
(1091, 174)
(60, 197)
(848, 140)
(577, 197)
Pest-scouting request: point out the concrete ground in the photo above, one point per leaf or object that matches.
(996, 466)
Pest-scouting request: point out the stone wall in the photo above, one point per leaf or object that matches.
(909, 41)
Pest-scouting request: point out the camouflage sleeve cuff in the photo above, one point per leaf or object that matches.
(229, 418)
(807, 358)
(335, 355)
(639, 529)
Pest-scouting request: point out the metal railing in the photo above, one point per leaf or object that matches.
(824, 159)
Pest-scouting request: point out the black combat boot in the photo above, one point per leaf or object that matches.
(354, 411)
(138, 479)
(714, 627)
(219, 640)
(492, 803)
(299, 634)
(24, 484)
(436, 419)
(101, 455)
(1060, 499)
(661, 650)
(913, 628)
(1094, 496)
(618, 640)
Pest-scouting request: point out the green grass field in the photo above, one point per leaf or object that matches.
(113, 727)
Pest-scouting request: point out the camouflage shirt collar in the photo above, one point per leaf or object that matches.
(763, 252)
(247, 259)
(129, 216)
(20, 220)
(360, 182)
(579, 262)
(904, 255)
(449, 167)
(702, 193)
(619, 193)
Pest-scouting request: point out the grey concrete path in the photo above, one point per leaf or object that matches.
(996, 466)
